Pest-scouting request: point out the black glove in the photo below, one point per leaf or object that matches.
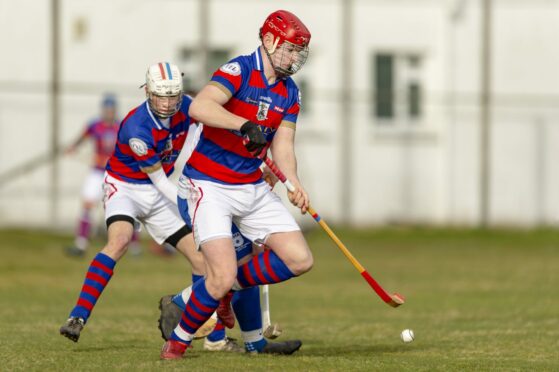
(253, 139)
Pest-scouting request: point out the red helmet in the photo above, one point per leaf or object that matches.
(287, 27)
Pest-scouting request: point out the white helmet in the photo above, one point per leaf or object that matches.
(164, 80)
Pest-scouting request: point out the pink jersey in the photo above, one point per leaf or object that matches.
(104, 135)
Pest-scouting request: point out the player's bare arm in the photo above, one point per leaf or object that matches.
(283, 153)
(208, 108)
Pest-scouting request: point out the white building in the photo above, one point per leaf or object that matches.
(390, 131)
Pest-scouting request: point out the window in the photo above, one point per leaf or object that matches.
(190, 64)
(216, 58)
(305, 96)
(414, 99)
(397, 87)
(188, 68)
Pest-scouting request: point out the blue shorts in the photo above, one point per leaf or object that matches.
(243, 246)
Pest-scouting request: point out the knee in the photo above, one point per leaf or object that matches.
(119, 244)
(302, 265)
(219, 284)
(198, 264)
(188, 249)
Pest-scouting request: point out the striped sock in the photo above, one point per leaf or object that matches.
(181, 298)
(266, 268)
(218, 332)
(98, 275)
(199, 308)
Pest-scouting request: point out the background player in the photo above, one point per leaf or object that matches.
(102, 131)
(250, 102)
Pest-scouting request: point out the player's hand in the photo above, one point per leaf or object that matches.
(269, 177)
(299, 197)
(254, 139)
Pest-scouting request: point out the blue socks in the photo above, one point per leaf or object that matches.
(246, 304)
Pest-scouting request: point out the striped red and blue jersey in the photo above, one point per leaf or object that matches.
(143, 141)
(220, 155)
(103, 135)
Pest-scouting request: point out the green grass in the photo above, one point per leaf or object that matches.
(477, 300)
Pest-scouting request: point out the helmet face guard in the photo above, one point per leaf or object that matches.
(164, 106)
(291, 38)
(164, 89)
(288, 58)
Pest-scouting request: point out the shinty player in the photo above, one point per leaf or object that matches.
(250, 104)
(137, 188)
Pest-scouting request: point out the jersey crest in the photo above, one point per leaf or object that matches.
(233, 68)
(138, 146)
(262, 113)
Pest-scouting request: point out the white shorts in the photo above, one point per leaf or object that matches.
(144, 203)
(255, 209)
(92, 190)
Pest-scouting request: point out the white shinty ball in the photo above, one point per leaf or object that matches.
(407, 335)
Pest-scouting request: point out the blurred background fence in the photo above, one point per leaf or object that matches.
(435, 112)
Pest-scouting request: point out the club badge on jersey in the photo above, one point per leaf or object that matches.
(138, 146)
(262, 113)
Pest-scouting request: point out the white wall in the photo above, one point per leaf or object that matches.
(427, 173)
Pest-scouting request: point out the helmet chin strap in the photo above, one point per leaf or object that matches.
(269, 52)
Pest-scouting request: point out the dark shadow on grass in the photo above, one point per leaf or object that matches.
(348, 350)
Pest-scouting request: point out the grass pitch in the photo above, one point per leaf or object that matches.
(476, 301)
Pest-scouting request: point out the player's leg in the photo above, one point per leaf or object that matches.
(206, 293)
(246, 304)
(195, 257)
(184, 243)
(217, 340)
(187, 248)
(83, 232)
(91, 195)
(98, 275)
(134, 247)
(172, 306)
(159, 225)
(210, 208)
(289, 254)
(121, 209)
